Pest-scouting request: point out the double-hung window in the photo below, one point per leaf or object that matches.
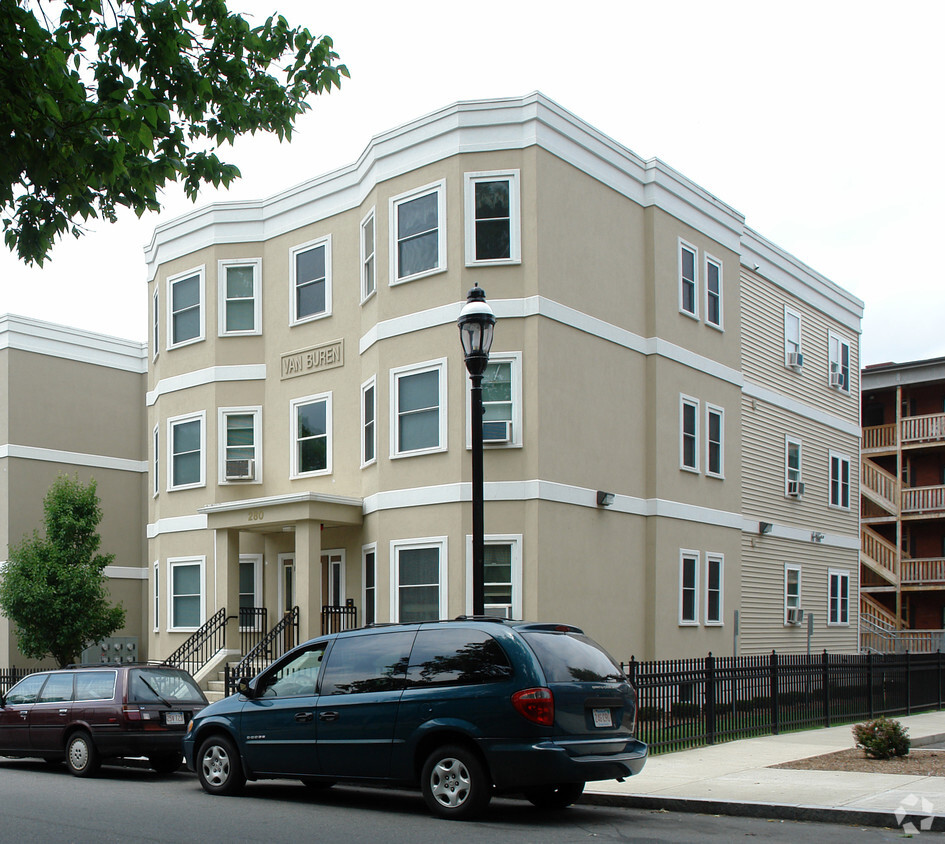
(418, 409)
(368, 263)
(156, 462)
(186, 437)
(688, 280)
(501, 401)
(792, 589)
(792, 467)
(185, 323)
(839, 480)
(502, 575)
(714, 565)
(713, 292)
(240, 437)
(688, 587)
(240, 302)
(418, 233)
(369, 583)
(793, 355)
(839, 597)
(689, 434)
(714, 441)
(310, 279)
(185, 593)
(492, 213)
(368, 422)
(839, 357)
(155, 324)
(156, 595)
(418, 577)
(311, 435)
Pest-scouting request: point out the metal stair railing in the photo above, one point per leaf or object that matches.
(196, 652)
(283, 637)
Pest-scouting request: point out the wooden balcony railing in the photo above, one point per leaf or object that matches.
(924, 572)
(880, 552)
(923, 499)
(876, 614)
(880, 485)
(879, 436)
(913, 430)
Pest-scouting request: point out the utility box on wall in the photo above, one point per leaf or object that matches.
(115, 650)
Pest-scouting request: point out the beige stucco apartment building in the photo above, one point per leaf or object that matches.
(72, 402)
(308, 418)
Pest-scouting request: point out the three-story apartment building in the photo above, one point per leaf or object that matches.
(664, 384)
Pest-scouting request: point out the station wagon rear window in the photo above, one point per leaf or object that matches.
(571, 657)
(162, 685)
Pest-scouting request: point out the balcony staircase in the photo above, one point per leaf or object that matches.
(880, 487)
(879, 555)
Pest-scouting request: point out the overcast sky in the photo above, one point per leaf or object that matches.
(821, 122)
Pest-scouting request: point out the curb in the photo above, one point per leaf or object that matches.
(777, 811)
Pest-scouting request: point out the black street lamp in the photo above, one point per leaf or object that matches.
(476, 322)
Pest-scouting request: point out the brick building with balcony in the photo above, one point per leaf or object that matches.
(902, 578)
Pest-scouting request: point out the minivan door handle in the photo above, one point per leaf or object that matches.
(302, 717)
(328, 716)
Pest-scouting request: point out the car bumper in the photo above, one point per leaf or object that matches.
(140, 744)
(517, 766)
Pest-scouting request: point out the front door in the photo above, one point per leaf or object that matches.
(334, 561)
(286, 583)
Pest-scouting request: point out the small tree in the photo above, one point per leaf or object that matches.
(53, 587)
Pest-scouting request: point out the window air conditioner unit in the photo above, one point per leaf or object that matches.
(795, 615)
(497, 432)
(836, 378)
(795, 359)
(241, 470)
(795, 488)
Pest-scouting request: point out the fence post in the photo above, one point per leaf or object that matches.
(869, 685)
(908, 684)
(939, 652)
(825, 681)
(773, 671)
(632, 670)
(710, 698)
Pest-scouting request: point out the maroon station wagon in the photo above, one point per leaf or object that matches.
(87, 714)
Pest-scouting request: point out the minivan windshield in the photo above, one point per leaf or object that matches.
(572, 657)
(162, 685)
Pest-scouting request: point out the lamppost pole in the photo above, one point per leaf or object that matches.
(476, 322)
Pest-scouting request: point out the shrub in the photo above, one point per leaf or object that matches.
(649, 713)
(882, 738)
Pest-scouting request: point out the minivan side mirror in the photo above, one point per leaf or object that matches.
(243, 687)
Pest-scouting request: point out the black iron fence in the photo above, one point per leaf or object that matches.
(9, 677)
(254, 624)
(693, 702)
(283, 637)
(338, 618)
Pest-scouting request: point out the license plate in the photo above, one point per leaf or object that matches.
(602, 718)
(174, 718)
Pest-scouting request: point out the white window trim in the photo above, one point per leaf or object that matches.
(683, 244)
(684, 554)
(394, 403)
(684, 401)
(172, 563)
(256, 264)
(201, 273)
(293, 435)
(294, 318)
(515, 216)
(835, 339)
(326, 555)
(370, 548)
(434, 187)
(788, 442)
(709, 259)
(800, 581)
(156, 595)
(831, 454)
(172, 422)
(720, 559)
(257, 561)
(514, 358)
(844, 574)
(397, 545)
(365, 294)
(156, 461)
(515, 541)
(790, 312)
(710, 409)
(222, 413)
(156, 323)
(371, 383)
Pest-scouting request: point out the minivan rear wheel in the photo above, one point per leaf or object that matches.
(554, 796)
(219, 768)
(455, 784)
(81, 756)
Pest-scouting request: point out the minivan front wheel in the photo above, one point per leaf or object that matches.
(554, 796)
(81, 756)
(455, 784)
(219, 768)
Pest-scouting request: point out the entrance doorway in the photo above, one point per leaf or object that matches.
(286, 583)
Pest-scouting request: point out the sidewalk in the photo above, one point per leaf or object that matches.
(734, 778)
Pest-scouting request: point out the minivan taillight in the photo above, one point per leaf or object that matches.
(537, 705)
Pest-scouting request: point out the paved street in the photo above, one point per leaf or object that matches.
(39, 803)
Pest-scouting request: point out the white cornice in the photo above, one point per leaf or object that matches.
(47, 338)
(210, 375)
(72, 458)
(280, 500)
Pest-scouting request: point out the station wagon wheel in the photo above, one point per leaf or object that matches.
(81, 756)
(555, 796)
(219, 768)
(455, 784)
(165, 763)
